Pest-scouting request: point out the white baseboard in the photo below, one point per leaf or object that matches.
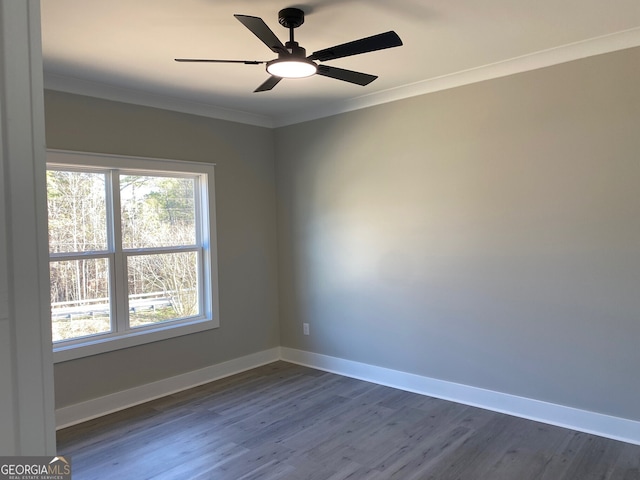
(97, 407)
(581, 420)
(589, 422)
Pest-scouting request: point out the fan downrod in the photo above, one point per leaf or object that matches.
(291, 17)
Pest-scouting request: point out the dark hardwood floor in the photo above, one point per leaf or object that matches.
(286, 422)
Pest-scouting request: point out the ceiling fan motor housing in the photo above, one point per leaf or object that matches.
(291, 17)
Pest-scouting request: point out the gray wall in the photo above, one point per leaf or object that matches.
(487, 235)
(246, 222)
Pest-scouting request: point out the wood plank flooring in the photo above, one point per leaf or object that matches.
(287, 422)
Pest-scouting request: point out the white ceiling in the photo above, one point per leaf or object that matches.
(124, 49)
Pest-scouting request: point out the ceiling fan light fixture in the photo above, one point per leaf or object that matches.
(292, 67)
(293, 62)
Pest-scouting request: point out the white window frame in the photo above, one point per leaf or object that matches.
(207, 242)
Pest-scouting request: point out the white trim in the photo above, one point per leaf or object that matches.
(88, 346)
(545, 58)
(567, 417)
(78, 86)
(23, 244)
(616, 428)
(210, 318)
(65, 157)
(97, 407)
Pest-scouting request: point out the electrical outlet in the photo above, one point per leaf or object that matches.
(305, 328)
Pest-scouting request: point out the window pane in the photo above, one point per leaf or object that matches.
(162, 287)
(157, 211)
(79, 298)
(77, 211)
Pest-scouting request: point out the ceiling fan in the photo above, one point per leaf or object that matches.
(292, 61)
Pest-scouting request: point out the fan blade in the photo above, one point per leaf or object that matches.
(269, 83)
(364, 45)
(262, 31)
(206, 60)
(346, 75)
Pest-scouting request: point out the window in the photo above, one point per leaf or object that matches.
(131, 251)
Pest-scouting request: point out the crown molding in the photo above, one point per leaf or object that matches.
(541, 59)
(78, 86)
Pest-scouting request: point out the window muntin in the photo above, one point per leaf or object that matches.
(140, 253)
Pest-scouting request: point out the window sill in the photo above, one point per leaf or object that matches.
(96, 345)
